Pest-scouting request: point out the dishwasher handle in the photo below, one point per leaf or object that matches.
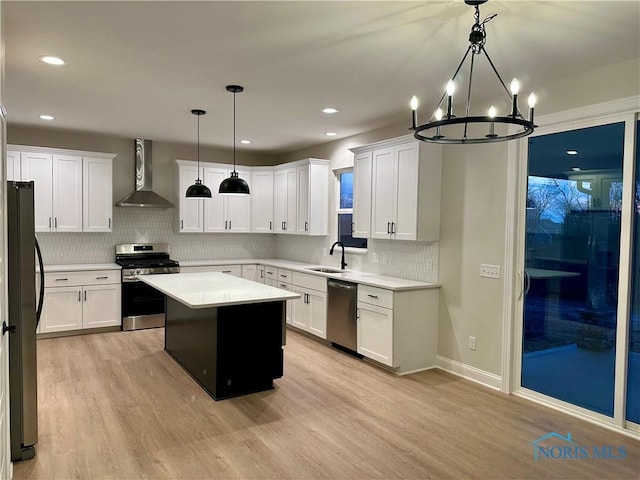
(338, 284)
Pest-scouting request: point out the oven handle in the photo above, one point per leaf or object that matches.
(130, 279)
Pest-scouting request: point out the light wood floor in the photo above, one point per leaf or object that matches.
(115, 405)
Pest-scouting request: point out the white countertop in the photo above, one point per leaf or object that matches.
(79, 267)
(372, 279)
(212, 289)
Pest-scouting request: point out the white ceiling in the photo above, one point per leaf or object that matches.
(136, 69)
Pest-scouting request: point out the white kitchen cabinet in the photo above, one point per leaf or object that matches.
(13, 165)
(285, 191)
(225, 213)
(398, 329)
(262, 200)
(81, 300)
(362, 173)
(97, 194)
(405, 189)
(191, 209)
(260, 275)
(72, 189)
(310, 310)
(313, 198)
(235, 270)
(250, 272)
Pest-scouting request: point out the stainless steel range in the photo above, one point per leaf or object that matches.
(142, 305)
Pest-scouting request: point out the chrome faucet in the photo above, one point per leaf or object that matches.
(342, 262)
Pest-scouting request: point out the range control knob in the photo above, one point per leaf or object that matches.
(138, 271)
(132, 272)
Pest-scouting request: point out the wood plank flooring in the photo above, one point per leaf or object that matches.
(116, 406)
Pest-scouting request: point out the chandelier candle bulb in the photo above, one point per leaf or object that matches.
(492, 115)
(532, 103)
(438, 116)
(450, 89)
(414, 110)
(515, 88)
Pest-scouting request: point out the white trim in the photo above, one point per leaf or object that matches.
(391, 142)
(620, 106)
(60, 151)
(577, 412)
(468, 372)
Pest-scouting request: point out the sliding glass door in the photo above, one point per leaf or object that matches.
(572, 266)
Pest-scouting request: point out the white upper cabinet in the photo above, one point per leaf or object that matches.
(225, 213)
(72, 189)
(67, 193)
(285, 188)
(404, 190)
(262, 200)
(313, 198)
(191, 216)
(362, 172)
(97, 194)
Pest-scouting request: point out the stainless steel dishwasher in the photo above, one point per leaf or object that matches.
(341, 314)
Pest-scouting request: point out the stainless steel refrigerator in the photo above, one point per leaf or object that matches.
(23, 318)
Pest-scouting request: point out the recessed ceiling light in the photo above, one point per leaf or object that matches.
(331, 134)
(52, 60)
(47, 117)
(576, 169)
(572, 152)
(330, 110)
(246, 142)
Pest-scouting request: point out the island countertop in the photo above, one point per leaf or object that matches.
(213, 289)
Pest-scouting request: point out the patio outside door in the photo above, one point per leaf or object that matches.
(572, 265)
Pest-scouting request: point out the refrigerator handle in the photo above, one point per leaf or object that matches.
(41, 294)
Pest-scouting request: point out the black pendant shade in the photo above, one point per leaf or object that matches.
(198, 189)
(234, 185)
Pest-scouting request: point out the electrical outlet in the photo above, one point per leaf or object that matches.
(374, 258)
(490, 271)
(472, 343)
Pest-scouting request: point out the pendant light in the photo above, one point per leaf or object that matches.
(234, 185)
(198, 189)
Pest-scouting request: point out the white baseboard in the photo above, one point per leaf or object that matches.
(468, 372)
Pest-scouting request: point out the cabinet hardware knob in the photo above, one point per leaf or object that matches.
(101, 278)
(181, 223)
(388, 227)
(61, 279)
(85, 295)
(393, 227)
(372, 296)
(270, 228)
(226, 271)
(55, 222)
(306, 228)
(79, 296)
(49, 222)
(109, 223)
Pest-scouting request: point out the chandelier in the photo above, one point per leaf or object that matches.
(446, 127)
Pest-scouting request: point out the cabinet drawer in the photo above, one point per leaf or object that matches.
(284, 276)
(270, 273)
(92, 277)
(313, 282)
(375, 296)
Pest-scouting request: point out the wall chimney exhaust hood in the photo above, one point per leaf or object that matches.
(144, 196)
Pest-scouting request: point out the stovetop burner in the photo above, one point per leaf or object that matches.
(144, 259)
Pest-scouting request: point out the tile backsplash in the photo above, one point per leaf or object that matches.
(396, 258)
(411, 260)
(141, 225)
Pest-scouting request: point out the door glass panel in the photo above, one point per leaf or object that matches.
(633, 373)
(574, 201)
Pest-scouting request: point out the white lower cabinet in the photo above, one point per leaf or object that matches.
(235, 270)
(81, 300)
(310, 310)
(398, 329)
(249, 272)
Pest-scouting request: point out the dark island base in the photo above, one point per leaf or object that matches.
(231, 350)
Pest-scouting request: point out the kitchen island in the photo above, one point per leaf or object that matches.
(225, 331)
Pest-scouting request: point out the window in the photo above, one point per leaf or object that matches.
(345, 211)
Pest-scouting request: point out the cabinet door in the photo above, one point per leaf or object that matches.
(362, 172)
(292, 201)
(280, 203)
(67, 193)
(375, 333)
(214, 217)
(238, 207)
(62, 309)
(13, 166)
(382, 193)
(300, 311)
(191, 216)
(317, 305)
(97, 194)
(38, 167)
(302, 179)
(406, 192)
(260, 274)
(249, 272)
(262, 201)
(101, 306)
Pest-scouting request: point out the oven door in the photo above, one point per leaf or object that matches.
(142, 306)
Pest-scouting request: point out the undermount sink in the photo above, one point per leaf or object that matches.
(325, 270)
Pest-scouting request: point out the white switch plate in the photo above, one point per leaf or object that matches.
(472, 343)
(490, 271)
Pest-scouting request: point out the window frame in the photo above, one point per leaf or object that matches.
(342, 211)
